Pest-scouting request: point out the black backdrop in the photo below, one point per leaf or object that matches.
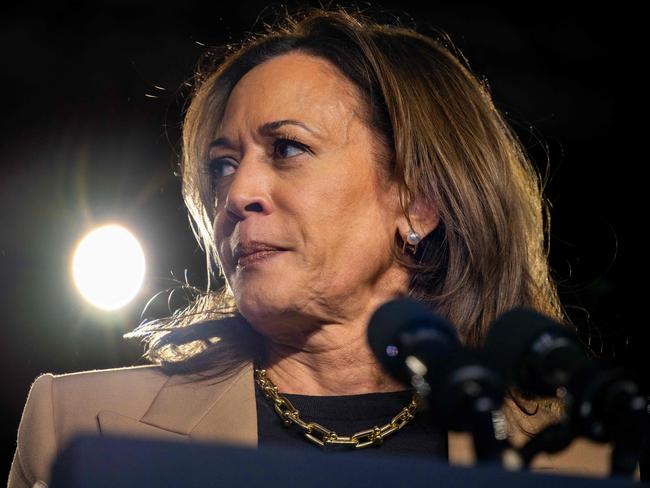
(92, 96)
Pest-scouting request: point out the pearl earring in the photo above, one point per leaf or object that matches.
(413, 239)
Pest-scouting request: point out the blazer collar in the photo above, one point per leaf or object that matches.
(194, 410)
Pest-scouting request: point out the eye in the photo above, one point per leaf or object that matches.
(288, 141)
(220, 167)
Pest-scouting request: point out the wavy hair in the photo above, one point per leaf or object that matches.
(445, 143)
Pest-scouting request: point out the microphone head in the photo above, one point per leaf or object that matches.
(509, 345)
(403, 327)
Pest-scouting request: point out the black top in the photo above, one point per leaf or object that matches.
(349, 414)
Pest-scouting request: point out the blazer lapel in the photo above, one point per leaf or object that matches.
(194, 410)
(115, 424)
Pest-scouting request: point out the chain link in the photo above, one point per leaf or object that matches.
(323, 436)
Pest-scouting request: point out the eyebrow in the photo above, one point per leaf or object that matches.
(265, 129)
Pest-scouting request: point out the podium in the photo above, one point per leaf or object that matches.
(131, 462)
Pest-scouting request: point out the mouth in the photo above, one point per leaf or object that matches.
(256, 258)
(254, 253)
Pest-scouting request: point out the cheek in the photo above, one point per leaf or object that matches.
(349, 224)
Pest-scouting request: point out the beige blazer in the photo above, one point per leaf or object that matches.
(142, 401)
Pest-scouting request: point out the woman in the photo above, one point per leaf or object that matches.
(330, 165)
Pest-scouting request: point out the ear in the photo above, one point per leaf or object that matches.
(424, 218)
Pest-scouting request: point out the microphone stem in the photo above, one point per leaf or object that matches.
(487, 447)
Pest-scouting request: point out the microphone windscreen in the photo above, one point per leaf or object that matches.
(404, 327)
(512, 334)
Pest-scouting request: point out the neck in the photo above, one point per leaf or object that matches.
(334, 361)
(325, 351)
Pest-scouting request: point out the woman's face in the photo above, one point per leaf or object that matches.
(303, 228)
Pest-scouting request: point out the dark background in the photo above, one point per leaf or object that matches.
(92, 98)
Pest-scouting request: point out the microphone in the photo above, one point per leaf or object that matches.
(534, 352)
(411, 341)
(422, 348)
(543, 357)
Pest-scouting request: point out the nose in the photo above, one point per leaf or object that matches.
(249, 191)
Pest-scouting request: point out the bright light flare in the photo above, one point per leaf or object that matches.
(108, 267)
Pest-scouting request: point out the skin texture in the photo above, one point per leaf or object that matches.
(337, 217)
(327, 204)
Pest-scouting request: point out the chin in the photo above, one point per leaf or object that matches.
(257, 307)
(273, 312)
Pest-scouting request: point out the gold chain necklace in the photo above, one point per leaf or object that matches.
(323, 436)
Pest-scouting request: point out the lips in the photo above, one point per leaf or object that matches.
(244, 250)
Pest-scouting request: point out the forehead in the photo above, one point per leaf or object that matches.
(292, 86)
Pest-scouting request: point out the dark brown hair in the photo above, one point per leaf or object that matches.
(445, 143)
